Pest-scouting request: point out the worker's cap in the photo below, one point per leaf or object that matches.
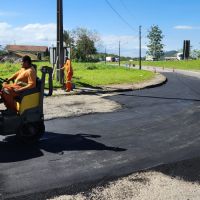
(26, 59)
(66, 58)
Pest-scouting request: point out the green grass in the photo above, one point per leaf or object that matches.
(6, 69)
(179, 64)
(90, 74)
(101, 74)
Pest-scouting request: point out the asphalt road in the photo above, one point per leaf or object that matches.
(155, 126)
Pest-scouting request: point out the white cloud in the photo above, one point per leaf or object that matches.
(45, 34)
(111, 41)
(129, 45)
(38, 34)
(184, 27)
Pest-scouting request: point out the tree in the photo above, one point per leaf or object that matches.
(85, 43)
(69, 42)
(195, 54)
(68, 39)
(2, 50)
(85, 47)
(155, 47)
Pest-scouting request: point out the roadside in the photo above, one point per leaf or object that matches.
(177, 181)
(81, 102)
(76, 105)
(157, 80)
(192, 65)
(172, 70)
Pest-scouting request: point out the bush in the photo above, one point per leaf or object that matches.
(91, 67)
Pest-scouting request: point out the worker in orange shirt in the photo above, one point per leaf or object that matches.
(24, 79)
(68, 74)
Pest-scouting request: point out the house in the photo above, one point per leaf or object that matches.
(150, 58)
(35, 52)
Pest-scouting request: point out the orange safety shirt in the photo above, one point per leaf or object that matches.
(68, 68)
(26, 78)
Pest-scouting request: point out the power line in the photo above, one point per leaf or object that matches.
(126, 8)
(131, 14)
(117, 13)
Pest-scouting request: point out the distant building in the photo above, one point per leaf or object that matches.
(109, 59)
(35, 52)
(112, 59)
(179, 56)
(150, 58)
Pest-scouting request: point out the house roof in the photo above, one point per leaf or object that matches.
(26, 48)
(32, 56)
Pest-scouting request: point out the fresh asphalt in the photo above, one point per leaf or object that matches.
(155, 126)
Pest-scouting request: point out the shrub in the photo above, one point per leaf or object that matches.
(91, 67)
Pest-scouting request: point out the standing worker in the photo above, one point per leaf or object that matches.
(68, 74)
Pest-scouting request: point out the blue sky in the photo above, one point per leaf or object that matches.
(34, 22)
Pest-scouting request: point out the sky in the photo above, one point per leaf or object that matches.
(33, 22)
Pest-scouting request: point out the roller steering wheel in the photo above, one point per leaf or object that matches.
(2, 80)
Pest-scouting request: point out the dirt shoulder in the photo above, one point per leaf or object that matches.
(77, 105)
(177, 181)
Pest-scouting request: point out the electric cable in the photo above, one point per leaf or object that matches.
(119, 15)
(126, 8)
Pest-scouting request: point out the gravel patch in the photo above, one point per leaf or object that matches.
(150, 185)
(174, 181)
(76, 105)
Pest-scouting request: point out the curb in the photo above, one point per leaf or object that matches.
(157, 81)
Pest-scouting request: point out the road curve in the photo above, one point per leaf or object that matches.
(156, 126)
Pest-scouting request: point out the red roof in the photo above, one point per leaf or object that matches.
(26, 48)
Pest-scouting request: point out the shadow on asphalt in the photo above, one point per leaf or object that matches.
(155, 97)
(12, 150)
(87, 85)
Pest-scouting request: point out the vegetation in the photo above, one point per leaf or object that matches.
(100, 74)
(6, 69)
(82, 43)
(90, 74)
(195, 54)
(155, 47)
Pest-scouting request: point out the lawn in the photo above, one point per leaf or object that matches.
(90, 74)
(101, 74)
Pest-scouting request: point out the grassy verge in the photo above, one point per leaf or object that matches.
(179, 64)
(90, 74)
(100, 74)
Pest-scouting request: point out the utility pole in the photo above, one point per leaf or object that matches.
(140, 66)
(119, 53)
(105, 55)
(60, 50)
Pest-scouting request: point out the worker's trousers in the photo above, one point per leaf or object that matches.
(68, 84)
(8, 95)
